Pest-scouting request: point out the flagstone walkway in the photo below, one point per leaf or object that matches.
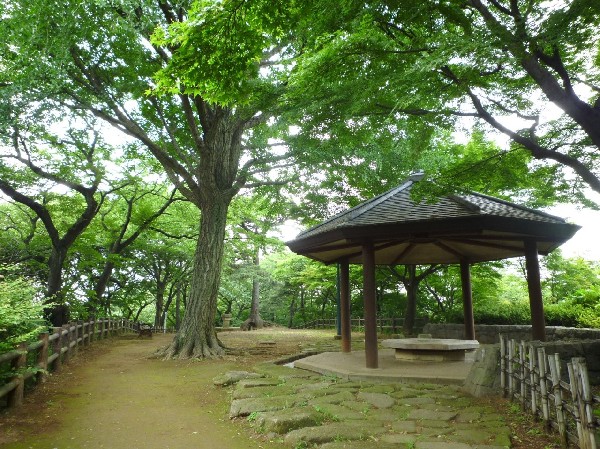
(308, 410)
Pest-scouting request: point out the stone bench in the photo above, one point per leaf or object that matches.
(430, 349)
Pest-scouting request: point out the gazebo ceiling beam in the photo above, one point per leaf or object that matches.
(400, 256)
(376, 248)
(489, 244)
(323, 249)
(498, 237)
(450, 250)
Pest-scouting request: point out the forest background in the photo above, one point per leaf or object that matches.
(151, 152)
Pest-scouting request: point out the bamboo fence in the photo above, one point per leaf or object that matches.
(534, 379)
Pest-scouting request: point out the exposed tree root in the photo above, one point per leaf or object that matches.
(196, 348)
(250, 323)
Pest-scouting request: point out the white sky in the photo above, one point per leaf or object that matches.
(586, 242)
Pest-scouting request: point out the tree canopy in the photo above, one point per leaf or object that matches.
(524, 69)
(256, 111)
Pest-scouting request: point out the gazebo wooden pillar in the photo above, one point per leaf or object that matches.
(345, 305)
(536, 305)
(369, 297)
(467, 293)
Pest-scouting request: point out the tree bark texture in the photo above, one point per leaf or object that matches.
(197, 337)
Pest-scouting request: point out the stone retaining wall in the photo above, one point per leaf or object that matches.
(488, 334)
(588, 349)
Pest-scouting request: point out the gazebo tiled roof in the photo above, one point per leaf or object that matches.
(471, 227)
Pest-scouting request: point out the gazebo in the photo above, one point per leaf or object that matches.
(460, 229)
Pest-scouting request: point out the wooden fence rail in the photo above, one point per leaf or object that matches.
(393, 325)
(51, 351)
(534, 379)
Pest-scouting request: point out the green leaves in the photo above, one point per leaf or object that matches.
(392, 70)
(217, 52)
(20, 310)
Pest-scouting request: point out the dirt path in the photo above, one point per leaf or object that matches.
(118, 398)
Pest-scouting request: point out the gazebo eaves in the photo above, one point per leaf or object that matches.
(558, 232)
(396, 210)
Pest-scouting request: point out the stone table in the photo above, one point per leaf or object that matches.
(430, 349)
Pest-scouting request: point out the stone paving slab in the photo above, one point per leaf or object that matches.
(328, 413)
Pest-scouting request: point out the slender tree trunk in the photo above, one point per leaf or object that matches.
(168, 303)
(178, 308)
(302, 304)
(160, 300)
(102, 283)
(292, 313)
(254, 320)
(411, 287)
(139, 311)
(197, 336)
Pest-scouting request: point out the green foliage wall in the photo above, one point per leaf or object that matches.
(20, 311)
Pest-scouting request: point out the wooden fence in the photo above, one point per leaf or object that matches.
(388, 325)
(51, 351)
(533, 378)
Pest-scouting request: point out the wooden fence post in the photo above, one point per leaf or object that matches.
(511, 379)
(92, 329)
(584, 402)
(15, 397)
(575, 402)
(74, 329)
(541, 354)
(503, 365)
(533, 381)
(67, 342)
(522, 390)
(57, 349)
(42, 358)
(80, 332)
(558, 400)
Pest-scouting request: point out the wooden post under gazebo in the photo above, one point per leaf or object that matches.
(392, 229)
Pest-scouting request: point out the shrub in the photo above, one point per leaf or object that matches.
(590, 317)
(564, 313)
(21, 312)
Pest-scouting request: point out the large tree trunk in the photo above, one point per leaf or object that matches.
(411, 282)
(58, 312)
(197, 336)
